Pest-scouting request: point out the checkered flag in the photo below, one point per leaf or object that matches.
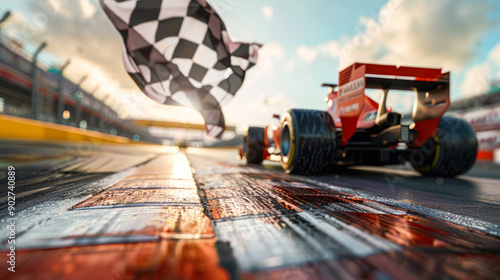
(179, 53)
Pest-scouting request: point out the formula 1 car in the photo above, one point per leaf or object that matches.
(356, 130)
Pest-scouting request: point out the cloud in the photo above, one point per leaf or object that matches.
(259, 111)
(260, 96)
(290, 66)
(268, 12)
(495, 54)
(88, 9)
(79, 30)
(97, 75)
(269, 54)
(56, 5)
(307, 54)
(272, 50)
(442, 33)
(330, 49)
(478, 78)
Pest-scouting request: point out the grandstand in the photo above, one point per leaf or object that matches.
(30, 89)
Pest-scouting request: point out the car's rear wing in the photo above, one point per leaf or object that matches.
(431, 88)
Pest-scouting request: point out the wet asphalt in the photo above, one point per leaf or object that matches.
(382, 222)
(475, 194)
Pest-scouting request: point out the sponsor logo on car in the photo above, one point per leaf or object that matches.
(351, 87)
(350, 108)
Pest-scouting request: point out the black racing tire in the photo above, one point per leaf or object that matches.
(450, 152)
(254, 145)
(307, 141)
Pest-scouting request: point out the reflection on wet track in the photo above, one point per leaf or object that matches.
(273, 224)
(168, 216)
(146, 223)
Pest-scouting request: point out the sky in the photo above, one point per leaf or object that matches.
(306, 43)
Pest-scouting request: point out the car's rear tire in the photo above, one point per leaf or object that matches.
(450, 152)
(254, 145)
(307, 141)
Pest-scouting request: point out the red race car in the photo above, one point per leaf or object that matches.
(356, 130)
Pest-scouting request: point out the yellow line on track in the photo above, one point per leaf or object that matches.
(20, 128)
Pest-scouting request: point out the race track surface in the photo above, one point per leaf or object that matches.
(160, 213)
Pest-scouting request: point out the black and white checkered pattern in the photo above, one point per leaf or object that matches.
(179, 53)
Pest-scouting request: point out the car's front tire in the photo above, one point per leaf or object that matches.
(308, 141)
